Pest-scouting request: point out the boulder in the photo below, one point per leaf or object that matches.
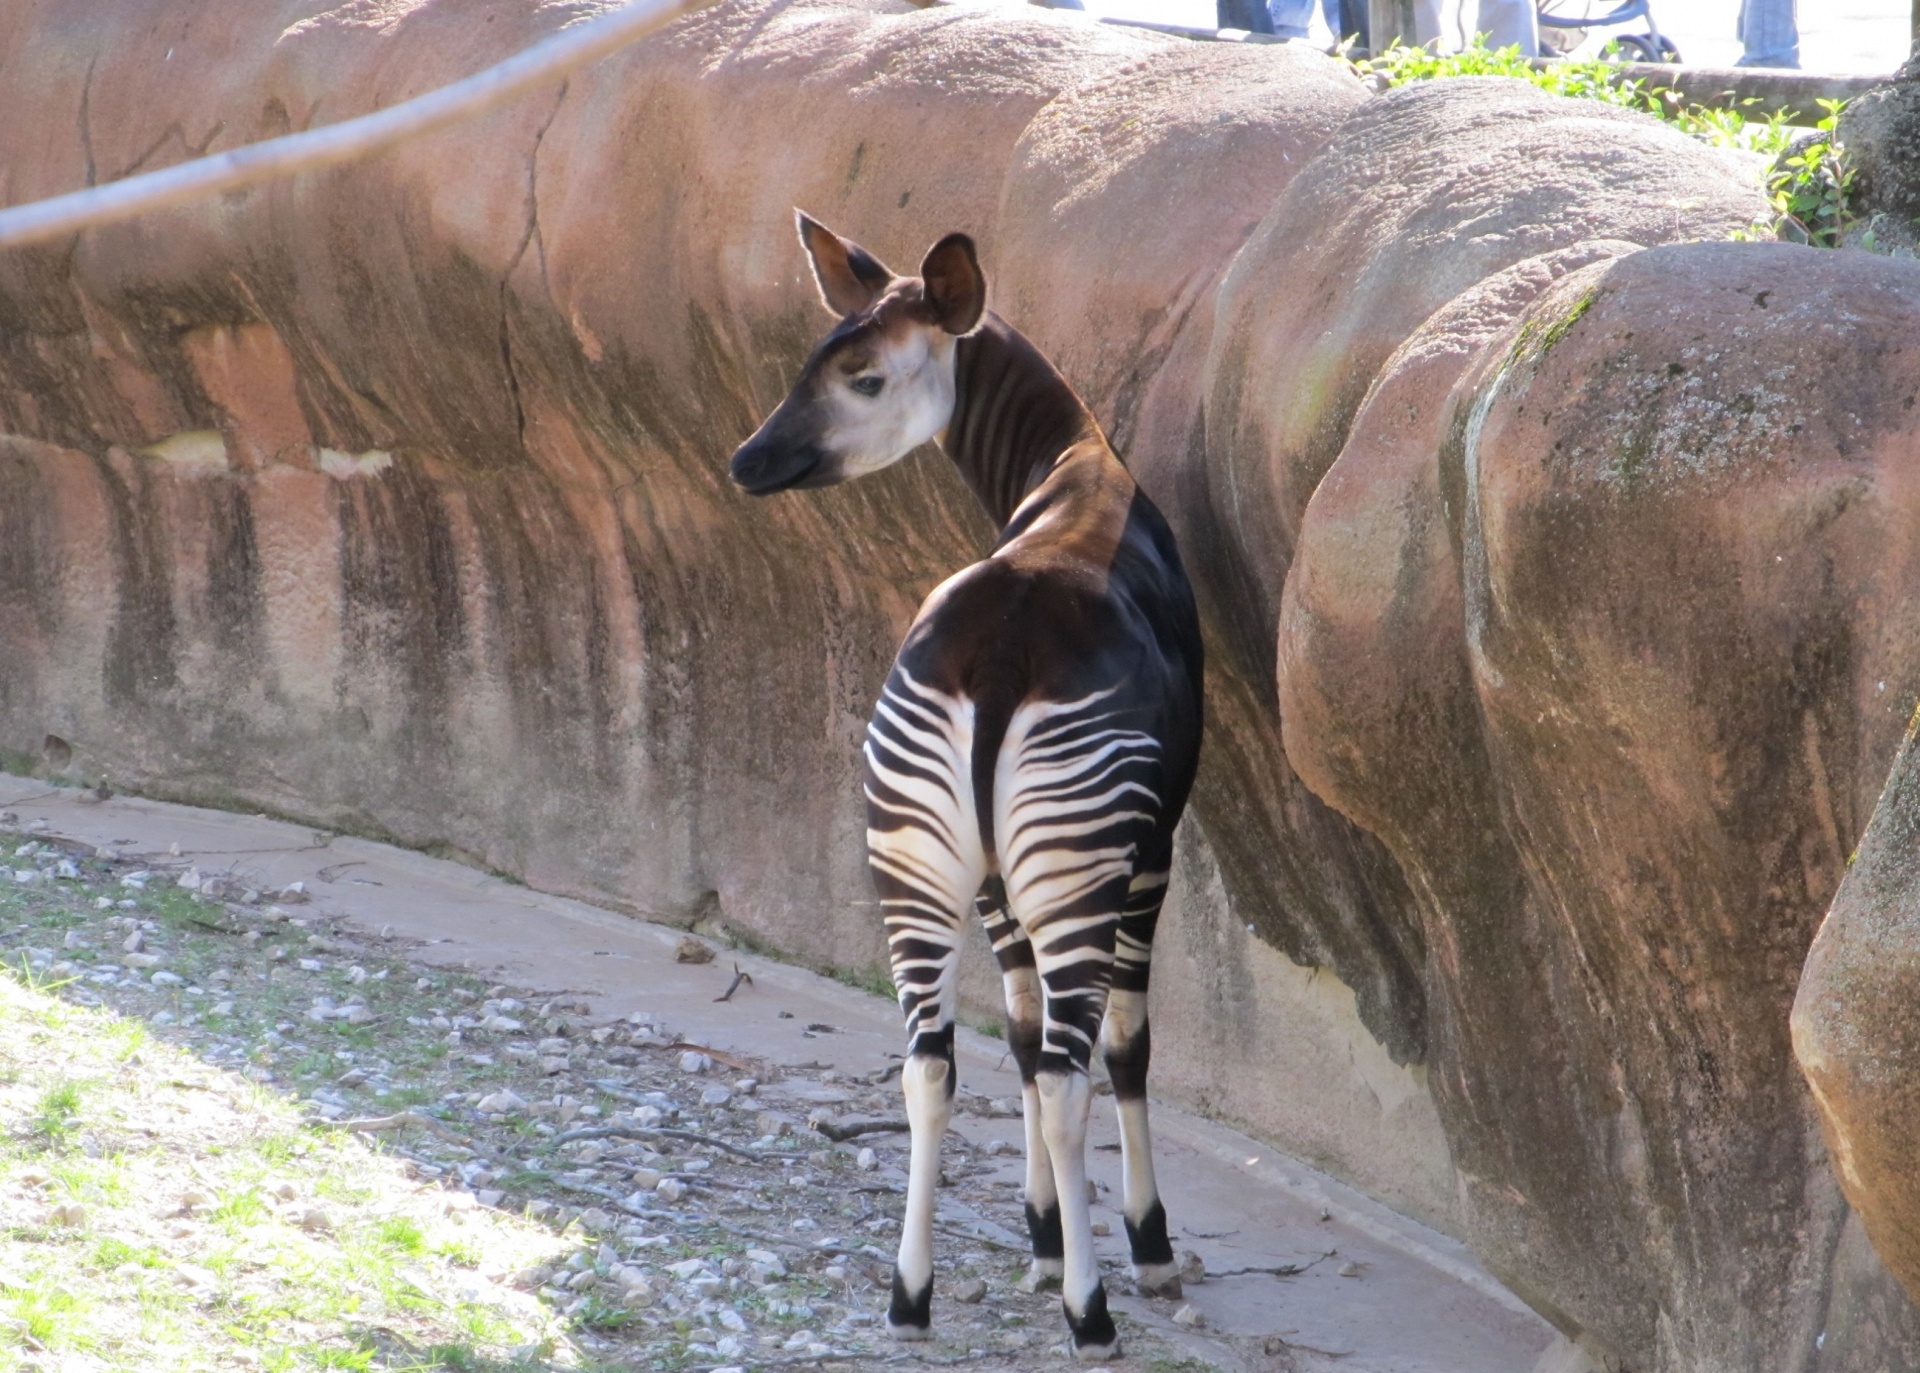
(1854, 1030)
(1607, 647)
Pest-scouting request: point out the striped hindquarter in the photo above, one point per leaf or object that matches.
(1064, 869)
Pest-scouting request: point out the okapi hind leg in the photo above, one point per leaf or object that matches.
(1074, 980)
(1021, 982)
(1126, 1041)
(928, 1080)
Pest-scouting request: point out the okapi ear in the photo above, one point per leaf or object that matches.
(956, 288)
(850, 278)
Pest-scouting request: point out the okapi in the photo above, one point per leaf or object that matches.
(1033, 746)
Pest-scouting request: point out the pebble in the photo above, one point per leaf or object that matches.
(163, 978)
(1186, 1315)
(866, 1160)
(1192, 1267)
(311, 965)
(692, 1062)
(716, 1096)
(315, 1219)
(141, 960)
(970, 1291)
(500, 1102)
(670, 1189)
(1100, 1227)
(999, 1148)
(732, 1320)
(1349, 1269)
(70, 1213)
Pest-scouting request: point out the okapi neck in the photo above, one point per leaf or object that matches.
(1014, 416)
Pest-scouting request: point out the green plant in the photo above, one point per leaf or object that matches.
(1809, 187)
(1585, 80)
(59, 1105)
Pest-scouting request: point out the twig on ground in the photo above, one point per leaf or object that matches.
(717, 1055)
(832, 1356)
(660, 1132)
(978, 1238)
(865, 1251)
(740, 975)
(840, 1132)
(371, 1124)
(216, 929)
(1280, 1270)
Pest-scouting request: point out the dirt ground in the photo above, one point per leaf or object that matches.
(720, 1175)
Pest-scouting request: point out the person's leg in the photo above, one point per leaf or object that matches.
(1290, 17)
(1770, 32)
(1510, 23)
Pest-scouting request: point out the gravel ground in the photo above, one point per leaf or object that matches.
(711, 1211)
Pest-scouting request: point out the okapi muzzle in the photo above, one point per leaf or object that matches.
(881, 384)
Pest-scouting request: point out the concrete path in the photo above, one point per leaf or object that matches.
(1393, 1297)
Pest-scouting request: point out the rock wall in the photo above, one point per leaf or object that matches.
(394, 499)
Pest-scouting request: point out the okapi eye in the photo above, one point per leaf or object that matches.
(868, 385)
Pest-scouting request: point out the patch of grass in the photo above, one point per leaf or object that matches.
(872, 979)
(403, 1234)
(198, 1246)
(58, 1110)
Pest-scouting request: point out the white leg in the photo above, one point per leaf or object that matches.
(1043, 1201)
(1128, 1046)
(1064, 1099)
(927, 1080)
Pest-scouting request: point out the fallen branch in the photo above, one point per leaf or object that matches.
(661, 1132)
(543, 64)
(975, 1237)
(1280, 1270)
(830, 1250)
(839, 1133)
(372, 1124)
(739, 975)
(717, 1055)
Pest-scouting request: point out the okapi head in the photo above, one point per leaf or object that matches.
(881, 383)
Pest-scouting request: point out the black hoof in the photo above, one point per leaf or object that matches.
(1093, 1334)
(910, 1315)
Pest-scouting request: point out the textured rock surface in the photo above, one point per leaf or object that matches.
(394, 499)
(1854, 1024)
(1615, 679)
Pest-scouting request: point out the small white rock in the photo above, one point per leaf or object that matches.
(670, 1189)
(866, 1160)
(500, 1102)
(692, 1062)
(1186, 1315)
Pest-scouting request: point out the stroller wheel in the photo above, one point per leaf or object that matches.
(1640, 47)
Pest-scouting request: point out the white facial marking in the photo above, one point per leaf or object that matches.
(914, 403)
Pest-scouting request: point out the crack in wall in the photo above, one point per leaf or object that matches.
(530, 237)
(86, 120)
